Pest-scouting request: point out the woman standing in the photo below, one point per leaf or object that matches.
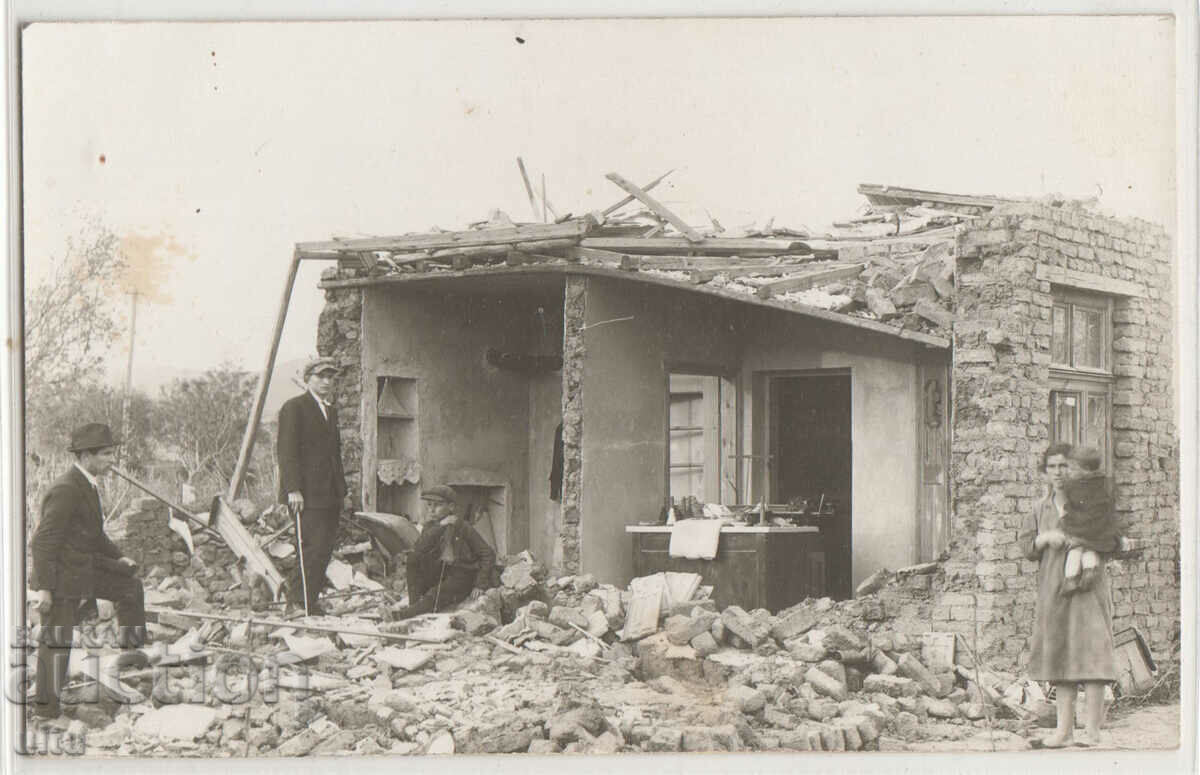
(1072, 633)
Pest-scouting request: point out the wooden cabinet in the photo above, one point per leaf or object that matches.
(755, 567)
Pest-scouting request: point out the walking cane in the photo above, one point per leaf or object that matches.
(300, 545)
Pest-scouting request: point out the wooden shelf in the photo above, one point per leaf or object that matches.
(394, 416)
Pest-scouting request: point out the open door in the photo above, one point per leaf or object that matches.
(810, 447)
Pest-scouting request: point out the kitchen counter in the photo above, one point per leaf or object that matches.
(757, 566)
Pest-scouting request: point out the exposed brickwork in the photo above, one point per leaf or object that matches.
(1002, 355)
(574, 308)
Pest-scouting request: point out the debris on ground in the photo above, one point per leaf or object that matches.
(549, 664)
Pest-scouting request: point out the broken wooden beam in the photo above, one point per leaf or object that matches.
(633, 261)
(809, 280)
(576, 227)
(658, 208)
(578, 253)
(528, 188)
(742, 246)
(294, 625)
(502, 248)
(748, 270)
(648, 187)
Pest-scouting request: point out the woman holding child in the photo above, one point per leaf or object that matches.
(1069, 532)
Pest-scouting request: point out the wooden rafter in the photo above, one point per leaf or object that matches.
(658, 208)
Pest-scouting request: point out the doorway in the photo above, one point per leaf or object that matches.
(812, 461)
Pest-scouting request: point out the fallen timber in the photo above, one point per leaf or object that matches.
(224, 522)
(389, 636)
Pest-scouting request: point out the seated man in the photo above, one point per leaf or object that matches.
(74, 562)
(450, 561)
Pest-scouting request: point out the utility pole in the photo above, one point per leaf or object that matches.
(128, 372)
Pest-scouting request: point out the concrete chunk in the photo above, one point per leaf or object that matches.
(793, 624)
(177, 722)
(705, 644)
(749, 628)
(825, 684)
(911, 667)
(891, 685)
(746, 699)
(883, 663)
(841, 638)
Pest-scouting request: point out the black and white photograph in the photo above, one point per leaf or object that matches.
(809, 392)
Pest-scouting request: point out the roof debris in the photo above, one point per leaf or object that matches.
(891, 263)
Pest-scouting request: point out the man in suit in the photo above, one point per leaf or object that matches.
(450, 561)
(74, 563)
(311, 480)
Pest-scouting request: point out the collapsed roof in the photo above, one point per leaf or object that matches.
(889, 269)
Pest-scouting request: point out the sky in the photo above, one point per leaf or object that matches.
(211, 149)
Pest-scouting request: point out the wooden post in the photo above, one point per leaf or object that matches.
(264, 380)
(125, 400)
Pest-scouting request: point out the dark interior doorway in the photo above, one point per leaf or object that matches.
(812, 461)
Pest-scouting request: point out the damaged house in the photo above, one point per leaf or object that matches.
(867, 399)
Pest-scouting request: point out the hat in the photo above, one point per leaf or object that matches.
(94, 435)
(440, 492)
(317, 365)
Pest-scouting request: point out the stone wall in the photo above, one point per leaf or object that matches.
(574, 351)
(1001, 422)
(339, 336)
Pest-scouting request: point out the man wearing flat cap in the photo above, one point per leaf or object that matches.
(311, 480)
(74, 563)
(450, 561)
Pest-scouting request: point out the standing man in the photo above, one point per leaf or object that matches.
(311, 480)
(75, 562)
(450, 561)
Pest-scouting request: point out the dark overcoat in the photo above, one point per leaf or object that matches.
(309, 449)
(69, 543)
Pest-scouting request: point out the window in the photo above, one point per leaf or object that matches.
(1081, 371)
(701, 437)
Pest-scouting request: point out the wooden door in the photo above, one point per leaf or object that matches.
(810, 439)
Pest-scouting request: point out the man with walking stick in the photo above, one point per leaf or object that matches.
(311, 480)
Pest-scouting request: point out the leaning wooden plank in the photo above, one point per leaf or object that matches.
(642, 618)
(748, 270)
(453, 239)
(528, 188)
(742, 246)
(222, 516)
(809, 280)
(657, 207)
(648, 187)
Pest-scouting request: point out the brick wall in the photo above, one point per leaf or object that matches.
(1001, 424)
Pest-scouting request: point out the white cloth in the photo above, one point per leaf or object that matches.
(695, 539)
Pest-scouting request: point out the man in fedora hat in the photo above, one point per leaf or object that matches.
(450, 561)
(74, 563)
(311, 480)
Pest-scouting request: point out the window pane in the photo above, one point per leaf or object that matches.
(1064, 417)
(1088, 337)
(1095, 433)
(1059, 350)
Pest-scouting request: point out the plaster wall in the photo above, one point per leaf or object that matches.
(884, 395)
(624, 392)
(471, 414)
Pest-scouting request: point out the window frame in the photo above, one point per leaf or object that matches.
(725, 440)
(1085, 381)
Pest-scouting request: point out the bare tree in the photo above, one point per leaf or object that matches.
(70, 318)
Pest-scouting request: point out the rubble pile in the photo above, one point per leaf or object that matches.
(542, 665)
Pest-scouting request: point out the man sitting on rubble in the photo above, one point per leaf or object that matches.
(75, 562)
(450, 561)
